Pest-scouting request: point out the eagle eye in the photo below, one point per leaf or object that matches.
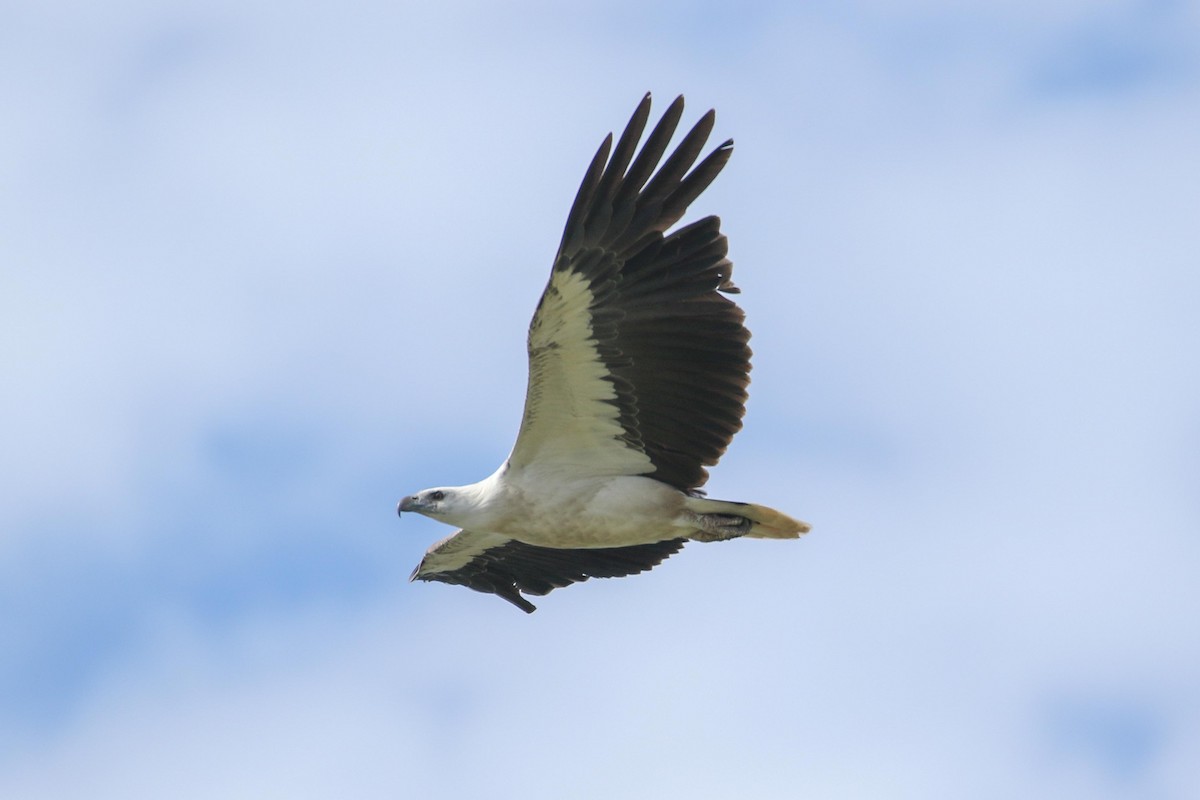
(438, 495)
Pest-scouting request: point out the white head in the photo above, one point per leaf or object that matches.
(454, 505)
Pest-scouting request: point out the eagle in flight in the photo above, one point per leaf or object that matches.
(638, 367)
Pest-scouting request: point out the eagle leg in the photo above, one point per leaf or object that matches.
(719, 527)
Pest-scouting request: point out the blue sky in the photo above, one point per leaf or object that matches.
(264, 269)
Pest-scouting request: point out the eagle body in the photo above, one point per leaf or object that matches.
(559, 509)
(638, 368)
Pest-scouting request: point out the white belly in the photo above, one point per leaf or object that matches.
(556, 511)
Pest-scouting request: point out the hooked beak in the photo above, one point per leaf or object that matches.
(408, 504)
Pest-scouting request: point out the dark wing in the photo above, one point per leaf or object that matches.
(638, 365)
(488, 562)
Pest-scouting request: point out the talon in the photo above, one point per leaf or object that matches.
(717, 527)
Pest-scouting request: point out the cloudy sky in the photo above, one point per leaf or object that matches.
(266, 267)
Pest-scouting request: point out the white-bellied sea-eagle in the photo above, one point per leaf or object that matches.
(638, 367)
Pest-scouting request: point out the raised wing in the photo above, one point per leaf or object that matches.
(638, 365)
(488, 562)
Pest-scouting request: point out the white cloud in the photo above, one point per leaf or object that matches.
(269, 267)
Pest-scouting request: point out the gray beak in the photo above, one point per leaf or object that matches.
(407, 504)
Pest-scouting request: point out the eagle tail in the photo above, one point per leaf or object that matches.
(766, 523)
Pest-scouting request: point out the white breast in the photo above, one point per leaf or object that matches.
(557, 510)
